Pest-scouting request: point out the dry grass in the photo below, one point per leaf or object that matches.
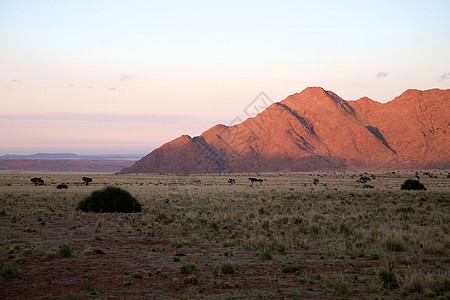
(333, 228)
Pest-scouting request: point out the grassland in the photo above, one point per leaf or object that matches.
(202, 237)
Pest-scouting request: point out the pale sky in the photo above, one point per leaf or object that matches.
(126, 76)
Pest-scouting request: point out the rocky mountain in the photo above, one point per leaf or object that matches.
(318, 130)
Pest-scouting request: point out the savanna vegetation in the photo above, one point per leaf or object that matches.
(318, 235)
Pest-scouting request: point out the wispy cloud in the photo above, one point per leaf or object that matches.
(382, 75)
(445, 76)
(127, 77)
(112, 89)
(100, 117)
(16, 80)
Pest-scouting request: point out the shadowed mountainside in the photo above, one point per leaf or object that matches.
(317, 130)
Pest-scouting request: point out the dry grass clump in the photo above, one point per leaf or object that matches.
(227, 267)
(191, 279)
(187, 267)
(387, 277)
(394, 242)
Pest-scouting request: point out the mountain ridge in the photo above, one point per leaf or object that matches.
(316, 130)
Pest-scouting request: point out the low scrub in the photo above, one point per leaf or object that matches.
(110, 199)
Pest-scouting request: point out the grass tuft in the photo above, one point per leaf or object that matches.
(187, 267)
(227, 267)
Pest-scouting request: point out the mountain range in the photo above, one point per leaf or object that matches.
(318, 130)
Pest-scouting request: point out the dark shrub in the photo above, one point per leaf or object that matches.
(62, 186)
(110, 199)
(37, 181)
(411, 184)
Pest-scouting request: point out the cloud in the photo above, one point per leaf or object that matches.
(127, 77)
(100, 117)
(382, 75)
(112, 89)
(445, 76)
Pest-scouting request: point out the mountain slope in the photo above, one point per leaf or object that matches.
(314, 130)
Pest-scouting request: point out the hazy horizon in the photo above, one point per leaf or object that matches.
(126, 77)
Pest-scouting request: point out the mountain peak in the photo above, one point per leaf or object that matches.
(315, 130)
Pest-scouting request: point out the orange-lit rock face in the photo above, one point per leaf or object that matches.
(317, 130)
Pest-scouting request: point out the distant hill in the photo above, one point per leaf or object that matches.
(62, 165)
(318, 130)
(65, 162)
(72, 156)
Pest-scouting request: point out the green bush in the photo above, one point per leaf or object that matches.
(411, 184)
(110, 199)
(62, 186)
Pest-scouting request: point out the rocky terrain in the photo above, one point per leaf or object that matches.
(317, 130)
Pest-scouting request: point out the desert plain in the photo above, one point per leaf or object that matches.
(319, 235)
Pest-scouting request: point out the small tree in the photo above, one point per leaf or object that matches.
(231, 181)
(37, 181)
(87, 180)
(315, 181)
(411, 184)
(256, 180)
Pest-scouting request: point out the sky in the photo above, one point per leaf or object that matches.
(107, 77)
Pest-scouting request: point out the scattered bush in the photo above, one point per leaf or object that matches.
(411, 184)
(110, 199)
(62, 186)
